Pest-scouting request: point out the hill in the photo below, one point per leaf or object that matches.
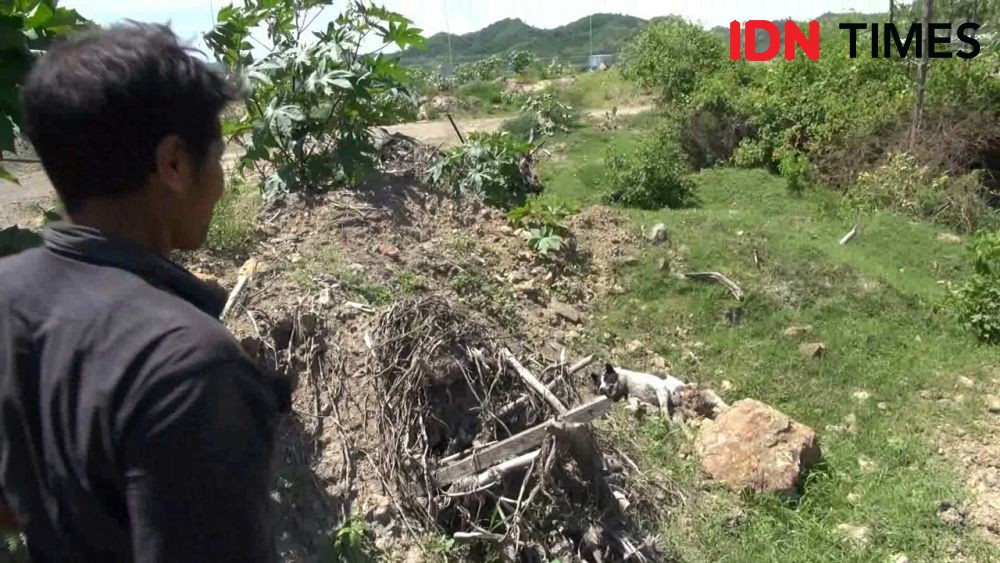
(570, 43)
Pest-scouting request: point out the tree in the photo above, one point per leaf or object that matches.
(922, 68)
(314, 94)
(27, 27)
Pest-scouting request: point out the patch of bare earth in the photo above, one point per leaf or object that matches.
(976, 455)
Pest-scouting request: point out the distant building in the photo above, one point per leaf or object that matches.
(595, 62)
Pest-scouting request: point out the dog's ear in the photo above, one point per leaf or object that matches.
(595, 377)
(610, 375)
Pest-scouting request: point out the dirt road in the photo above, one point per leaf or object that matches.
(18, 203)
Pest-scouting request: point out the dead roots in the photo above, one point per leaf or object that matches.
(450, 394)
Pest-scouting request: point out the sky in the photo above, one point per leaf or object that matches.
(191, 18)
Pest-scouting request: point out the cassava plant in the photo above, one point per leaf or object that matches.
(493, 167)
(315, 94)
(544, 225)
(27, 27)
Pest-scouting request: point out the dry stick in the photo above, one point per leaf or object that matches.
(519, 443)
(485, 536)
(581, 364)
(533, 382)
(850, 234)
(455, 127)
(715, 277)
(246, 274)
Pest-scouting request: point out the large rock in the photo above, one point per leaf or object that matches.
(753, 445)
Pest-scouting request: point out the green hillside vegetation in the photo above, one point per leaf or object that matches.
(570, 42)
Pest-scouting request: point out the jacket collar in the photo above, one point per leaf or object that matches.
(92, 246)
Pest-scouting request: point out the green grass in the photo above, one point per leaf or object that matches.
(232, 226)
(577, 175)
(880, 306)
(602, 89)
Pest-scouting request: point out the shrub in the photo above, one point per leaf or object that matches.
(312, 105)
(652, 176)
(493, 167)
(794, 167)
(673, 55)
(521, 126)
(485, 93)
(978, 301)
(541, 115)
(519, 61)
(907, 187)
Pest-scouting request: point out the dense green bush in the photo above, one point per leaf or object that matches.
(488, 167)
(672, 56)
(521, 126)
(653, 175)
(978, 301)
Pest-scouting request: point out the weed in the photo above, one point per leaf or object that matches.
(353, 543)
(545, 225)
(234, 217)
(978, 300)
(487, 295)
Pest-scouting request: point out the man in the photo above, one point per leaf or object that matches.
(134, 428)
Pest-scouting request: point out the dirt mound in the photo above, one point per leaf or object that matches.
(339, 275)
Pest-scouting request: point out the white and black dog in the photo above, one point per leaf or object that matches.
(663, 392)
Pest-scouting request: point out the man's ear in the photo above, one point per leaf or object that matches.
(173, 163)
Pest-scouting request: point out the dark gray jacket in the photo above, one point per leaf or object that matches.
(132, 425)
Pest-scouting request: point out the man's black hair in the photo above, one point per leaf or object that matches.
(98, 104)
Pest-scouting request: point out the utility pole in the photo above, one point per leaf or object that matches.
(447, 32)
(922, 68)
(892, 9)
(590, 59)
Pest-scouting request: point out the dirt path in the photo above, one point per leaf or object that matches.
(18, 203)
(440, 132)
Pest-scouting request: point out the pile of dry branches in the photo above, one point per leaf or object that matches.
(399, 153)
(476, 446)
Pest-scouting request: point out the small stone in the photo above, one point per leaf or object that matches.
(658, 233)
(861, 396)
(950, 515)
(949, 238)
(506, 229)
(616, 290)
(633, 346)
(726, 385)
(381, 509)
(854, 498)
(866, 465)
(795, 330)
(565, 311)
(659, 363)
(993, 404)
(966, 382)
(812, 350)
(857, 533)
(882, 405)
(899, 558)
(851, 423)
(387, 250)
